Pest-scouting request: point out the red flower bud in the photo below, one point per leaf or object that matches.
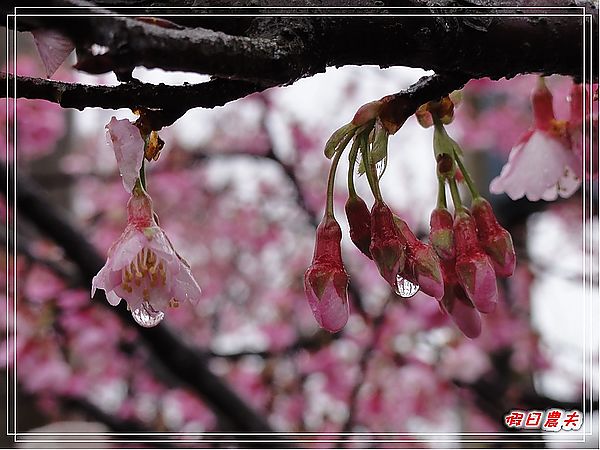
(494, 239)
(366, 112)
(441, 234)
(422, 263)
(387, 244)
(359, 219)
(326, 281)
(456, 303)
(473, 268)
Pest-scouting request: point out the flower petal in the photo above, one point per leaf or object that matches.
(128, 145)
(126, 249)
(186, 288)
(53, 48)
(113, 298)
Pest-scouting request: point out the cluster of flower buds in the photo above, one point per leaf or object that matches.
(406, 263)
(473, 247)
(142, 266)
(465, 253)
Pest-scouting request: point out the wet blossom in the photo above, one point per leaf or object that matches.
(143, 268)
(422, 263)
(473, 268)
(359, 219)
(542, 165)
(326, 281)
(494, 239)
(387, 244)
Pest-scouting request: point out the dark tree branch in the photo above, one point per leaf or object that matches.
(189, 365)
(283, 49)
(167, 103)
(266, 51)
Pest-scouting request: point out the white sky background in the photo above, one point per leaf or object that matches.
(557, 305)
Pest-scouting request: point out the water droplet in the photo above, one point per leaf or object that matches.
(146, 316)
(405, 288)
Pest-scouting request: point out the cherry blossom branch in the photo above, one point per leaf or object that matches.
(283, 49)
(55, 267)
(190, 366)
(112, 422)
(166, 103)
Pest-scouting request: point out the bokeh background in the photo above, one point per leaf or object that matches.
(238, 190)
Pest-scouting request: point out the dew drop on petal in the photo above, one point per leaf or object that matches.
(146, 316)
(405, 288)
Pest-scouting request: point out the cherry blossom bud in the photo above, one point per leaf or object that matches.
(456, 303)
(423, 116)
(473, 268)
(441, 234)
(494, 239)
(367, 112)
(387, 244)
(422, 263)
(359, 219)
(326, 281)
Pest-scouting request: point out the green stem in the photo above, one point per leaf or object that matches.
(455, 194)
(352, 159)
(441, 198)
(467, 176)
(143, 174)
(371, 171)
(331, 182)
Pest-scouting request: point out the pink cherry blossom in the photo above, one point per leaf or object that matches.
(128, 146)
(542, 165)
(539, 167)
(143, 268)
(53, 48)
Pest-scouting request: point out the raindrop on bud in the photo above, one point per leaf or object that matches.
(405, 288)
